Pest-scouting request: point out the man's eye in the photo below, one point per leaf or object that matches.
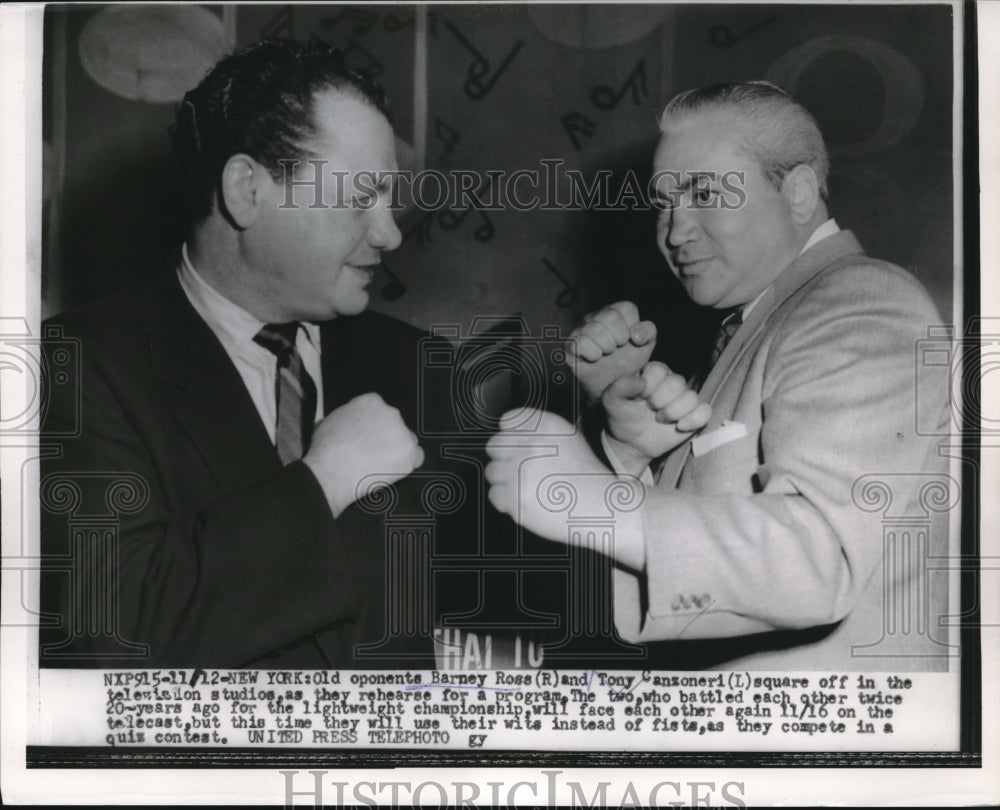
(705, 196)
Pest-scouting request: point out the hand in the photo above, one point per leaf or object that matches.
(650, 414)
(609, 344)
(529, 477)
(364, 437)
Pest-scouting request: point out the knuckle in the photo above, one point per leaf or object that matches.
(681, 399)
(627, 310)
(688, 402)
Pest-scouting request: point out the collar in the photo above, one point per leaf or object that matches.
(234, 325)
(828, 228)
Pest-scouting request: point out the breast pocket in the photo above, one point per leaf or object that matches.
(729, 468)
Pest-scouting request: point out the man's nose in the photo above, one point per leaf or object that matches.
(683, 225)
(383, 233)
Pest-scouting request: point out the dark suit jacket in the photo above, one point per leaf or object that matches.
(223, 557)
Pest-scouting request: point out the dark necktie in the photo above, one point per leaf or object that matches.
(727, 329)
(294, 391)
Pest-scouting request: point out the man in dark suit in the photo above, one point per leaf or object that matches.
(234, 409)
(765, 541)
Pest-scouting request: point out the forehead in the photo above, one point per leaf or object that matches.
(703, 140)
(351, 132)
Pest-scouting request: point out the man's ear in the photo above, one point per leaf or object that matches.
(242, 189)
(801, 189)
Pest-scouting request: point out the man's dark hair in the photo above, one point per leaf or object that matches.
(259, 101)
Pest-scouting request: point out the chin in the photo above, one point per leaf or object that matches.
(707, 295)
(355, 306)
(703, 298)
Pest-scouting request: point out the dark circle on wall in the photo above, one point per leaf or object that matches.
(872, 204)
(902, 82)
(822, 86)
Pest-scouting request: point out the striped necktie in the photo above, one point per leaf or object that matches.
(294, 391)
(727, 329)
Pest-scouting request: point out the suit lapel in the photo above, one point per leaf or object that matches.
(332, 365)
(801, 271)
(347, 370)
(213, 405)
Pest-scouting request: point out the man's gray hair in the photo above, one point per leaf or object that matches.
(776, 130)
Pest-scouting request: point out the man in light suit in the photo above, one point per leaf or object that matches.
(239, 539)
(760, 543)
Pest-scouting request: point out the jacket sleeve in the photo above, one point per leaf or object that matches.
(794, 548)
(216, 583)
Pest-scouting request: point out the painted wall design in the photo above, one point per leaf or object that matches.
(545, 89)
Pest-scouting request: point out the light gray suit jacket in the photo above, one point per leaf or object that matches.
(822, 522)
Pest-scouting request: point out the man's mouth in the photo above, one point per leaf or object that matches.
(367, 270)
(690, 266)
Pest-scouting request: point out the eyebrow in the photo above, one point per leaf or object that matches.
(712, 177)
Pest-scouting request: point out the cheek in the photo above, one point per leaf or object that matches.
(726, 230)
(665, 253)
(662, 229)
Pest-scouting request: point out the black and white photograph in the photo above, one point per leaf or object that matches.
(499, 403)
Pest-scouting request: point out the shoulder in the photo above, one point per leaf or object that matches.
(112, 321)
(127, 332)
(863, 287)
(154, 290)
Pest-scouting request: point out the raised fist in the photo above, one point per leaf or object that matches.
(651, 413)
(364, 437)
(610, 344)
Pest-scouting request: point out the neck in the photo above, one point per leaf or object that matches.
(807, 229)
(214, 251)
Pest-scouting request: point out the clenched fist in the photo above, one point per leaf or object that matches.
(541, 481)
(364, 437)
(609, 344)
(651, 413)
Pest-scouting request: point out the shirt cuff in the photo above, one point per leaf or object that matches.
(647, 475)
(629, 531)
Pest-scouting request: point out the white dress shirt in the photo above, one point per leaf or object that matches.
(235, 328)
